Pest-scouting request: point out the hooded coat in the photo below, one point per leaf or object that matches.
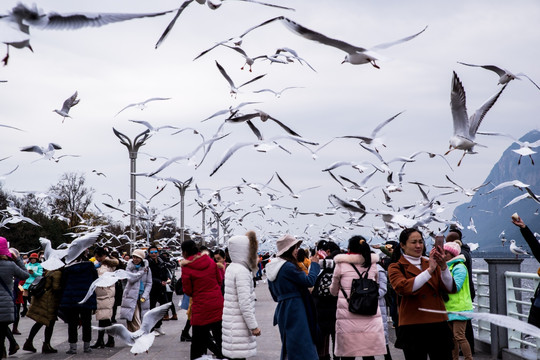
(239, 305)
(295, 309)
(8, 270)
(202, 281)
(131, 292)
(44, 309)
(356, 335)
(105, 295)
(76, 281)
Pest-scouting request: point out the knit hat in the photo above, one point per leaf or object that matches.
(34, 256)
(453, 248)
(4, 247)
(285, 243)
(139, 253)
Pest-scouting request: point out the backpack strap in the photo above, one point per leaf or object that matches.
(364, 275)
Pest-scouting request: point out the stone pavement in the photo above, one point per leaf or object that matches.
(169, 346)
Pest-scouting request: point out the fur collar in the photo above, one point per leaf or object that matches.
(355, 258)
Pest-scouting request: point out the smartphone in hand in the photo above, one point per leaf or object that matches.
(439, 243)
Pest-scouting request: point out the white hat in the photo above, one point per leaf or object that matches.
(139, 253)
(285, 243)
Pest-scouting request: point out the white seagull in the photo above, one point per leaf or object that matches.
(525, 147)
(108, 279)
(465, 127)
(518, 250)
(53, 258)
(505, 76)
(142, 339)
(68, 104)
(234, 88)
(22, 18)
(47, 153)
(142, 105)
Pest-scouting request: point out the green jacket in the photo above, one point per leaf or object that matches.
(460, 301)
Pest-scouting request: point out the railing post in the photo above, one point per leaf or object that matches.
(497, 299)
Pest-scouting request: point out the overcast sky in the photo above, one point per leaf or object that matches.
(116, 65)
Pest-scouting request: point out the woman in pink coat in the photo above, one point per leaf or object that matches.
(356, 335)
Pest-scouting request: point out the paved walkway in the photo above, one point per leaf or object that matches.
(169, 346)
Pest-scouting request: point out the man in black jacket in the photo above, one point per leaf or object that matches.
(159, 280)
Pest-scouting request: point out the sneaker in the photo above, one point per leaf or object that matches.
(159, 331)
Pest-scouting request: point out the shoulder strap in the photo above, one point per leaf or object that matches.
(364, 274)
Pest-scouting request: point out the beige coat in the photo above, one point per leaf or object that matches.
(105, 295)
(356, 335)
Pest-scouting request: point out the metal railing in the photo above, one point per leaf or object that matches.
(520, 288)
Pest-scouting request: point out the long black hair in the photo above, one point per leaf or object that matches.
(359, 245)
(288, 255)
(403, 237)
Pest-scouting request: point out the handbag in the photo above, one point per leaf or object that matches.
(364, 297)
(37, 287)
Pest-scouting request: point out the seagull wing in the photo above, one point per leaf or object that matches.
(76, 21)
(119, 331)
(531, 80)
(150, 319)
(252, 80)
(80, 244)
(284, 184)
(344, 204)
(70, 102)
(229, 153)
(155, 99)
(478, 116)
(255, 130)
(143, 343)
(459, 107)
(225, 75)
(516, 199)
(267, 4)
(315, 36)
(284, 127)
(33, 148)
(493, 68)
(145, 123)
(380, 126)
(392, 43)
(173, 21)
(533, 196)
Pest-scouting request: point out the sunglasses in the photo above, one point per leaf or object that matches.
(153, 252)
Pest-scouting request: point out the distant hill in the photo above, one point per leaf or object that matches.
(488, 212)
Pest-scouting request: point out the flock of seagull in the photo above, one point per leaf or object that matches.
(426, 213)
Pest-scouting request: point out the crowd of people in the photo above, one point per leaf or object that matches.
(313, 289)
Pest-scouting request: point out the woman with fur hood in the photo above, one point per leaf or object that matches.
(295, 311)
(135, 302)
(239, 326)
(356, 335)
(105, 296)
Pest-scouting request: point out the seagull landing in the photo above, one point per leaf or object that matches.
(505, 76)
(68, 104)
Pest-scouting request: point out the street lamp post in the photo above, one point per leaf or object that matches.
(133, 148)
(182, 186)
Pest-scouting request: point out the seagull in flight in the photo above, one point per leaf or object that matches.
(22, 18)
(465, 127)
(234, 88)
(142, 105)
(152, 128)
(142, 339)
(292, 193)
(525, 147)
(47, 153)
(264, 117)
(355, 55)
(56, 258)
(213, 5)
(278, 93)
(68, 104)
(505, 76)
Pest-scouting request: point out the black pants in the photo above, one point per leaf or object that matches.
(102, 324)
(48, 331)
(419, 341)
(4, 326)
(154, 299)
(200, 340)
(75, 315)
(169, 299)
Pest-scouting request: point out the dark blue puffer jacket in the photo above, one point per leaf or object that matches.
(76, 280)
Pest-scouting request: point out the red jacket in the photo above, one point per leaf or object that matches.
(202, 280)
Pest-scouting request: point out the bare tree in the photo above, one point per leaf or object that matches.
(73, 197)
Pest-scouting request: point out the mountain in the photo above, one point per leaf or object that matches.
(488, 211)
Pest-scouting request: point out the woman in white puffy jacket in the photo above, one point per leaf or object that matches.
(239, 324)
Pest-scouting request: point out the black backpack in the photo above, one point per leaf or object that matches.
(321, 289)
(364, 299)
(37, 287)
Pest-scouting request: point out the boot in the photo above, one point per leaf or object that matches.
(28, 346)
(72, 348)
(13, 348)
(86, 347)
(110, 342)
(15, 331)
(99, 343)
(48, 349)
(185, 337)
(174, 317)
(166, 318)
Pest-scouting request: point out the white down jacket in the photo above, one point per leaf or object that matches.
(239, 306)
